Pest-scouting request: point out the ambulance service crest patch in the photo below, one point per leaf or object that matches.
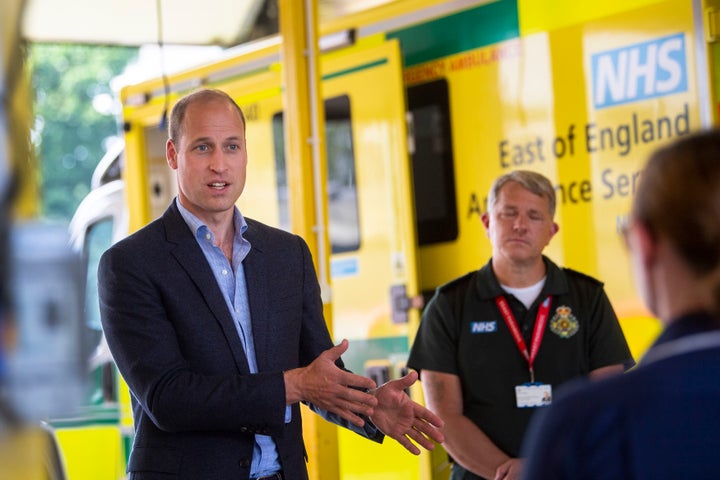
(563, 323)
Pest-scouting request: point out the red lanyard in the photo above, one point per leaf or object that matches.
(538, 330)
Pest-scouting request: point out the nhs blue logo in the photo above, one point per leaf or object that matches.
(638, 72)
(483, 327)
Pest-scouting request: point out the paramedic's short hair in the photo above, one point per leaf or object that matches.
(177, 115)
(533, 181)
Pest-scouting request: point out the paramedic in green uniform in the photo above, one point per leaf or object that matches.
(494, 344)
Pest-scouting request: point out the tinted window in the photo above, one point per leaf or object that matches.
(344, 227)
(432, 163)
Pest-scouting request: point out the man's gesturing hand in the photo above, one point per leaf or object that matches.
(398, 417)
(325, 385)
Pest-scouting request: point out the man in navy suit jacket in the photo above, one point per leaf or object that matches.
(662, 419)
(215, 321)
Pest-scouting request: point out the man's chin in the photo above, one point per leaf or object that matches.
(522, 256)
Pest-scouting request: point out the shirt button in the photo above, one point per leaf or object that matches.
(208, 236)
(224, 272)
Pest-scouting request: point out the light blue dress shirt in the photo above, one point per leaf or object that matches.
(231, 280)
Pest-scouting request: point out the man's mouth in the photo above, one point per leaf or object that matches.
(218, 185)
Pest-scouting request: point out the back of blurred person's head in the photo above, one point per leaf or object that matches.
(678, 199)
(6, 195)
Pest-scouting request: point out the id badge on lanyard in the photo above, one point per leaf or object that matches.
(531, 394)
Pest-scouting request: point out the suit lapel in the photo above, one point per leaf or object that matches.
(256, 281)
(189, 255)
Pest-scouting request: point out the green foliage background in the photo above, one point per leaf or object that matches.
(69, 134)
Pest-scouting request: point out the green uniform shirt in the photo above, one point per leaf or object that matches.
(463, 333)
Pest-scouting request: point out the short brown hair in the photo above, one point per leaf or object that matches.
(177, 115)
(532, 181)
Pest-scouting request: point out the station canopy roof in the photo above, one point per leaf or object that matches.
(222, 23)
(136, 22)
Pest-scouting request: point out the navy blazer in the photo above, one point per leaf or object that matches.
(196, 407)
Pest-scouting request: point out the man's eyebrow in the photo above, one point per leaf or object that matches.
(202, 140)
(535, 210)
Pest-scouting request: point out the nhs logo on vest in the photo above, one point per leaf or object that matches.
(639, 72)
(483, 327)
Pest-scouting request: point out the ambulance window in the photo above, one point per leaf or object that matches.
(432, 163)
(283, 194)
(98, 239)
(344, 227)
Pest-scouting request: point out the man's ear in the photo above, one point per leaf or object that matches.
(171, 154)
(645, 243)
(485, 218)
(555, 228)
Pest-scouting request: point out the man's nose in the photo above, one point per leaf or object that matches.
(520, 223)
(218, 162)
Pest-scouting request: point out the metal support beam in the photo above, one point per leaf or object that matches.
(307, 180)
